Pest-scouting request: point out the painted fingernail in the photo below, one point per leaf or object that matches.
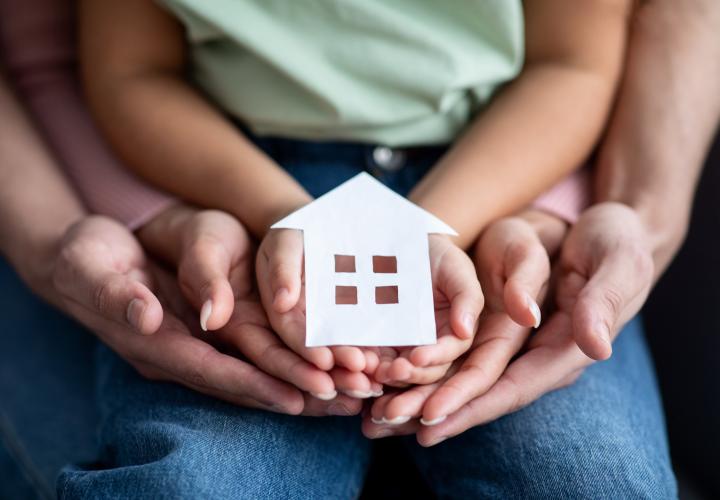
(325, 396)
(534, 310)
(398, 420)
(434, 421)
(378, 421)
(339, 409)
(205, 313)
(469, 323)
(359, 394)
(135, 311)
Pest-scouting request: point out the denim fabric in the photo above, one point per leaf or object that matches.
(603, 437)
(47, 410)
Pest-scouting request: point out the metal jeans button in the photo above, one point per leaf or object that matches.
(388, 159)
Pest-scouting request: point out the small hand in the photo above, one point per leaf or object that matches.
(605, 274)
(514, 266)
(280, 281)
(458, 302)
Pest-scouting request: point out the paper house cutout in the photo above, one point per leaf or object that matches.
(367, 266)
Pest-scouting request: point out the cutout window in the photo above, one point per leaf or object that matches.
(386, 295)
(386, 264)
(344, 263)
(346, 295)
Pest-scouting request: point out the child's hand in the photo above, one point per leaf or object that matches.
(458, 303)
(280, 280)
(513, 264)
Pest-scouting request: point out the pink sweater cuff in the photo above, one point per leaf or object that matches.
(37, 45)
(568, 198)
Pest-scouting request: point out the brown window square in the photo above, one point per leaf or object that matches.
(344, 263)
(386, 295)
(346, 295)
(384, 264)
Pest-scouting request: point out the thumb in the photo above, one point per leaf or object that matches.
(94, 284)
(612, 296)
(285, 258)
(455, 277)
(214, 245)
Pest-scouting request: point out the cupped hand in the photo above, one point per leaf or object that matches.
(101, 270)
(604, 276)
(279, 268)
(458, 300)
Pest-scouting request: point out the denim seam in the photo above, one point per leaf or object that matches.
(16, 450)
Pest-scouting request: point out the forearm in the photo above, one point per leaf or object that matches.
(36, 204)
(666, 117)
(527, 140)
(171, 136)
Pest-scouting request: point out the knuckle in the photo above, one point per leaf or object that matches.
(612, 300)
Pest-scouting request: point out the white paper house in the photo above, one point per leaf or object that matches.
(367, 266)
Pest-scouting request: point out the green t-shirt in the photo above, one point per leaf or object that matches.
(393, 72)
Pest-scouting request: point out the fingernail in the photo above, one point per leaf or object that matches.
(378, 421)
(534, 310)
(325, 396)
(603, 333)
(205, 313)
(469, 323)
(279, 294)
(339, 409)
(359, 394)
(434, 421)
(135, 311)
(398, 420)
(377, 394)
(382, 433)
(437, 441)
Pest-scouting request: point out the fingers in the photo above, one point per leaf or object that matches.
(454, 276)
(499, 339)
(399, 407)
(614, 294)
(269, 354)
(544, 368)
(284, 255)
(352, 358)
(194, 363)
(214, 245)
(447, 349)
(514, 268)
(355, 384)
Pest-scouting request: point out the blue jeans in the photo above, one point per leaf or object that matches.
(603, 437)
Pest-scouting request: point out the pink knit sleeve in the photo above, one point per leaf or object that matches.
(37, 44)
(568, 198)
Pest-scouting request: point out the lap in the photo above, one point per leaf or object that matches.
(169, 442)
(603, 437)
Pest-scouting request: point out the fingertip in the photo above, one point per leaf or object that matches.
(400, 370)
(321, 357)
(372, 360)
(144, 312)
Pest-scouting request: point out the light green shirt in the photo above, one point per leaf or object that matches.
(394, 72)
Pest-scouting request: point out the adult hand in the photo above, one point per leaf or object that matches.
(604, 275)
(102, 270)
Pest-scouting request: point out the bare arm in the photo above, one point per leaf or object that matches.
(542, 125)
(36, 203)
(133, 56)
(665, 119)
